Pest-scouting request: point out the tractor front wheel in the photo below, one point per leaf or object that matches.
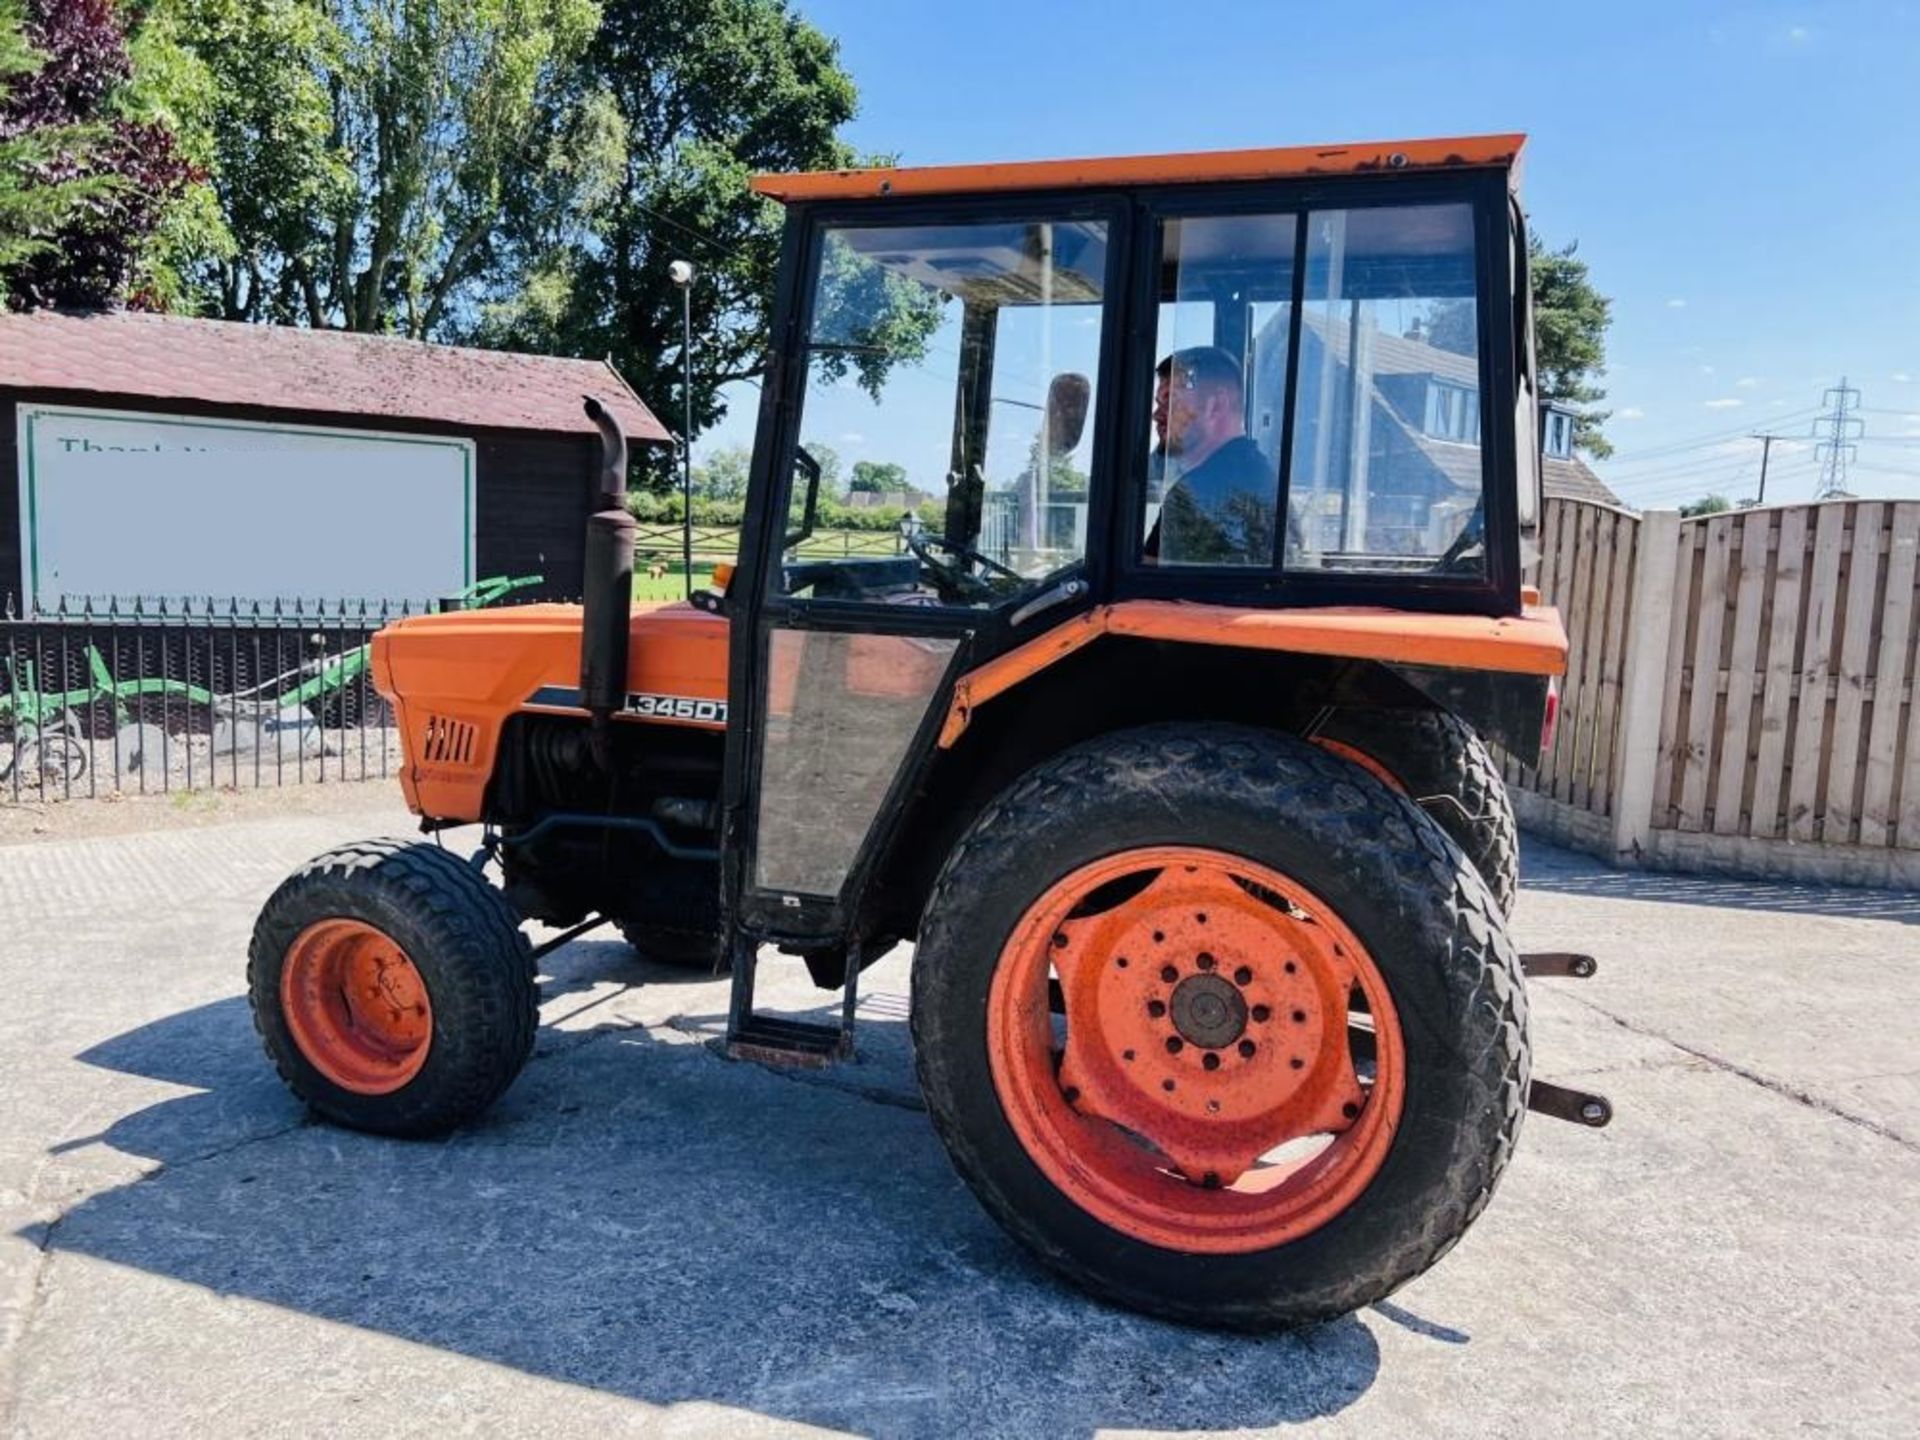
(392, 988)
(1216, 1031)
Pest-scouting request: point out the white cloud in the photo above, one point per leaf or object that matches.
(1676, 304)
(1630, 412)
(852, 437)
(1728, 404)
(1707, 370)
(1900, 377)
(1749, 382)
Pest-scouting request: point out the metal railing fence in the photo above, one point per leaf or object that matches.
(138, 697)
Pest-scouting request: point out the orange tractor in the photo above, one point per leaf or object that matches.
(1161, 728)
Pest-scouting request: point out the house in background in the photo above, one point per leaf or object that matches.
(1420, 474)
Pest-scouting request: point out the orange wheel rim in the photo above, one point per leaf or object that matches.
(1227, 1074)
(356, 1006)
(1365, 761)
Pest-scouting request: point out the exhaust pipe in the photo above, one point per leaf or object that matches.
(607, 596)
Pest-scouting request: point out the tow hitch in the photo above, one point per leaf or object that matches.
(1563, 1102)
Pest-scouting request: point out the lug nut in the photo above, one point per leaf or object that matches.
(1299, 1017)
(1243, 976)
(1203, 960)
(1169, 974)
(1175, 1044)
(1247, 1047)
(1210, 1060)
(1156, 1008)
(1262, 1014)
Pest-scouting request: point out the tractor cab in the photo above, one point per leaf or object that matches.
(1039, 369)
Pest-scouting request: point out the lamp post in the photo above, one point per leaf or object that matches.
(682, 273)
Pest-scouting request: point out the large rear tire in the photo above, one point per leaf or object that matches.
(392, 988)
(1278, 1155)
(1445, 768)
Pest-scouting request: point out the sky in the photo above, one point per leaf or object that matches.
(1741, 178)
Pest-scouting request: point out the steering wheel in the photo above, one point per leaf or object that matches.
(954, 580)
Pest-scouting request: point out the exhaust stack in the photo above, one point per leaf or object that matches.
(607, 596)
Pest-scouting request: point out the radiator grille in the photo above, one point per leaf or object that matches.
(448, 742)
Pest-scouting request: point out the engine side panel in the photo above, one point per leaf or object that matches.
(455, 679)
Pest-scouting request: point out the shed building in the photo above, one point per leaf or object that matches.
(156, 455)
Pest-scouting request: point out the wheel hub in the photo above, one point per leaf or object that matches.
(1208, 1011)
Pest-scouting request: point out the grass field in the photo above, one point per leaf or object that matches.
(659, 545)
(672, 585)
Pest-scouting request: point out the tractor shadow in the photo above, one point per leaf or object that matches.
(641, 1216)
(1557, 870)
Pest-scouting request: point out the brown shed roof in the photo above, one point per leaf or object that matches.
(165, 357)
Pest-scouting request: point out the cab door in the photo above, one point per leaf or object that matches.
(932, 459)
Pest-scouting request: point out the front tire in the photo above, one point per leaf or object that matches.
(392, 988)
(1291, 1158)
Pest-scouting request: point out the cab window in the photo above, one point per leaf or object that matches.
(1376, 380)
(945, 436)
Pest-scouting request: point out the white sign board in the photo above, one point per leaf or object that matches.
(124, 505)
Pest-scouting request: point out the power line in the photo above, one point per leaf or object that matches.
(1843, 427)
(1638, 457)
(685, 229)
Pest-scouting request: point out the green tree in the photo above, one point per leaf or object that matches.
(1570, 319)
(33, 207)
(98, 180)
(1707, 505)
(380, 162)
(877, 477)
(724, 475)
(833, 484)
(706, 93)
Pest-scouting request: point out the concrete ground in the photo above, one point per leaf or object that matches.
(645, 1238)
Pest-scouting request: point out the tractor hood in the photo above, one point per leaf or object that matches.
(454, 679)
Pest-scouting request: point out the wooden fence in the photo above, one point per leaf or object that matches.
(1740, 690)
(722, 542)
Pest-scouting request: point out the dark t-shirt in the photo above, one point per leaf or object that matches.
(1221, 511)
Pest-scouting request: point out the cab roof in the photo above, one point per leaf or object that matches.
(1478, 152)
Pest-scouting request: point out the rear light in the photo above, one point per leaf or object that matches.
(1551, 717)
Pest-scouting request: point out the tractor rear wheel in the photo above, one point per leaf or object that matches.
(392, 988)
(1444, 767)
(1293, 1056)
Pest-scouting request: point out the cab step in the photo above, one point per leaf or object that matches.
(778, 1040)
